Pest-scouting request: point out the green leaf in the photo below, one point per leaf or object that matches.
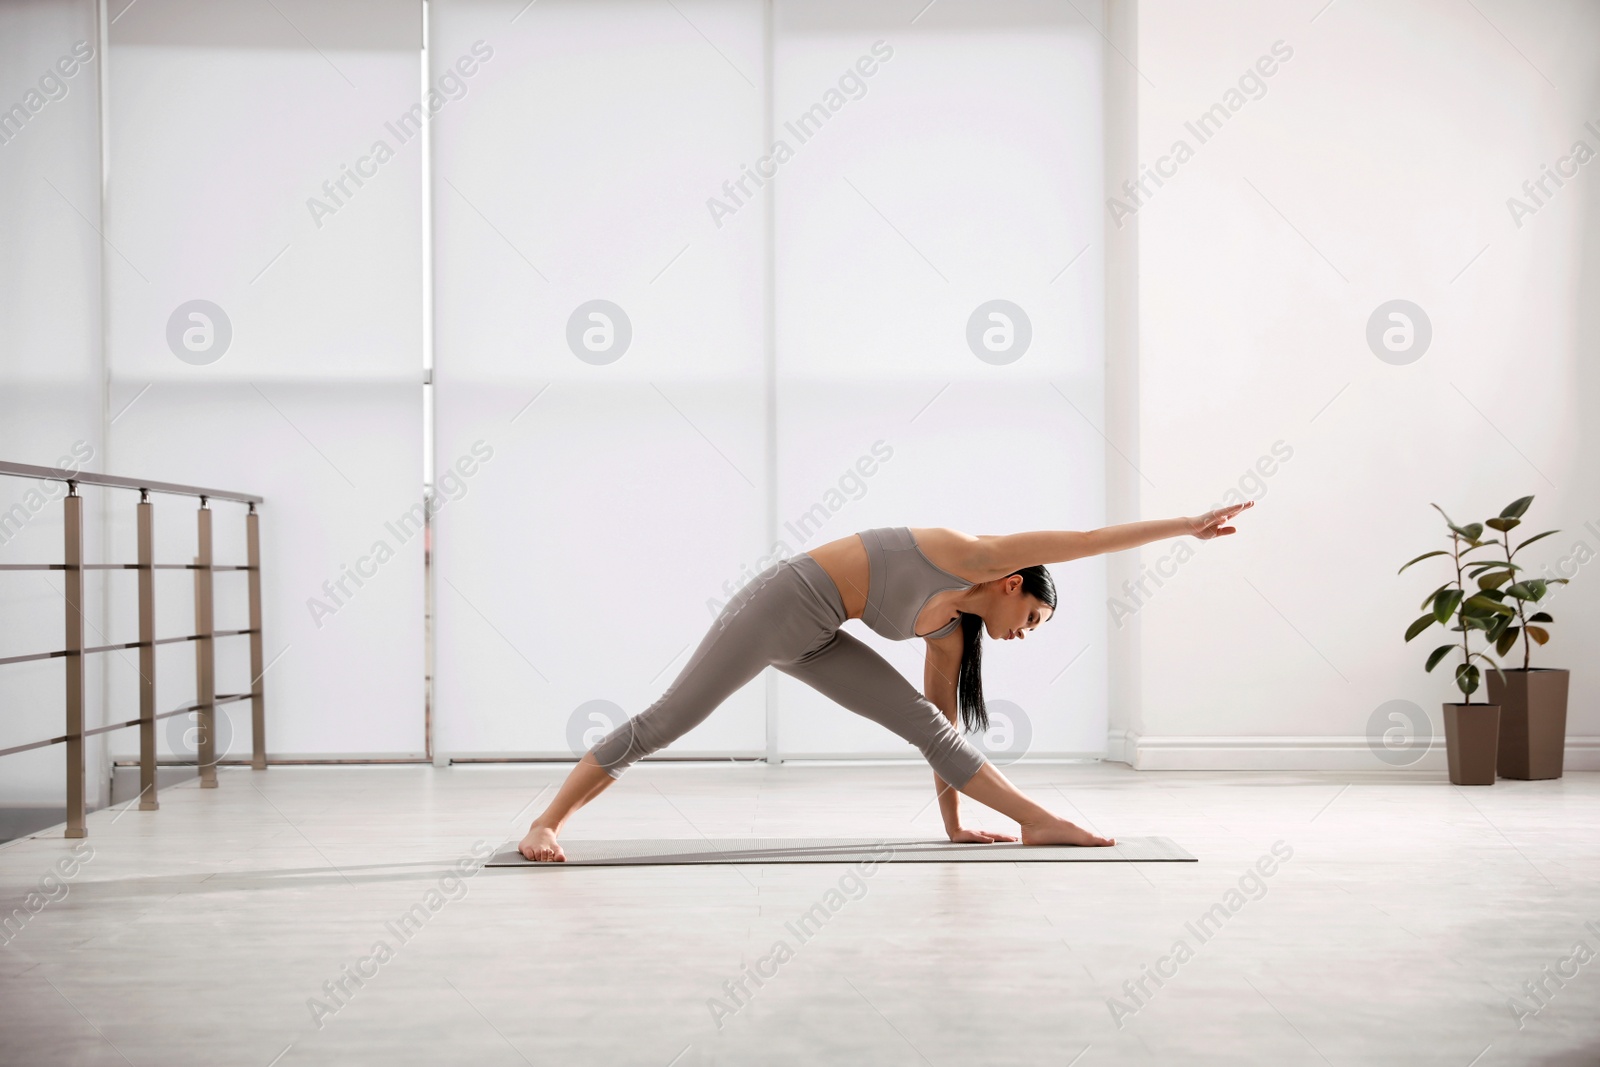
(1483, 603)
(1517, 508)
(1425, 555)
(1420, 625)
(1438, 654)
(1519, 590)
(1503, 525)
(1476, 622)
(1484, 608)
(1493, 666)
(1542, 616)
(1495, 580)
(1460, 531)
(1508, 637)
(1429, 598)
(1473, 532)
(1539, 634)
(1445, 604)
(1532, 539)
(1538, 587)
(1501, 623)
(1467, 676)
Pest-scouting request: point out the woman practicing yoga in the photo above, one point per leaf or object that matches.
(938, 584)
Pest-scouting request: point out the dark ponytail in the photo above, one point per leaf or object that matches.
(969, 680)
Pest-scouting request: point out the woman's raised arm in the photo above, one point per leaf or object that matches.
(1001, 554)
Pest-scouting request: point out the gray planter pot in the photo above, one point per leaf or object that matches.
(1533, 721)
(1472, 739)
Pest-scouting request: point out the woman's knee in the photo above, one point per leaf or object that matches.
(641, 735)
(964, 767)
(616, 751)
(953, 757)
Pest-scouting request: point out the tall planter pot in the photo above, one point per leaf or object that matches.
(1472, 740)
(1533, 721)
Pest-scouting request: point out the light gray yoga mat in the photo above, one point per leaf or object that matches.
(619, 853)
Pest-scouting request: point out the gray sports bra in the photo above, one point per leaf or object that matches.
(900, 582)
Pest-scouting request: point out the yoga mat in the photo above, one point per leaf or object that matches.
(651, 852)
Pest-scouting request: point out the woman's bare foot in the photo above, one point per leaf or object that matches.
(540, 846)
(1058, 831)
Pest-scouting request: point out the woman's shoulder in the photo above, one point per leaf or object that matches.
(950, 549)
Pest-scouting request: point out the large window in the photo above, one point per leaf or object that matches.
(718, 282)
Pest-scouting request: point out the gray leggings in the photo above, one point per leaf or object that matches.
(788, 617)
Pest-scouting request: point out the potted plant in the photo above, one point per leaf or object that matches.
(1533, 701)
(1472, 731)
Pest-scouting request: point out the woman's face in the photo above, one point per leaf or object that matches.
(1015, 613)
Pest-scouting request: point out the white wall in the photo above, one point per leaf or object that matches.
(50, 365)
(1377, 165)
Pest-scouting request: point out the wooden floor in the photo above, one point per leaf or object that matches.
(1399, 924)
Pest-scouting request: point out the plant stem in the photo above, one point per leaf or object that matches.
(1466, 631)
(1522, 613)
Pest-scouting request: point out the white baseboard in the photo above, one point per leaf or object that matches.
(691, 756)
(1144, 752)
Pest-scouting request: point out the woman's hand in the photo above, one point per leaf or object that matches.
(977, 837)
(1211, 525)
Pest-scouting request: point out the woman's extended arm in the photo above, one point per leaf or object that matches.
(939, 672)
(1001, 554)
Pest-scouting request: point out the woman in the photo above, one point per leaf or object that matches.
(937, 584)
